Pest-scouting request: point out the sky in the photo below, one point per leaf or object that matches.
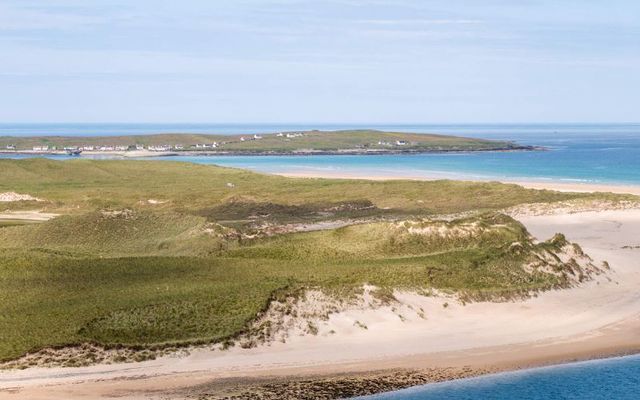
(297, 61)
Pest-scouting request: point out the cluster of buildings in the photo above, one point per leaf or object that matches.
(397, 143)
(104, 148)
(254, 137)
(44, 148)
(213, 145)
(290, 135)
(160, 148)
(164, 147)
(101, 148)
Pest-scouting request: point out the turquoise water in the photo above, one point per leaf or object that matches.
(581, 153)
(603, 153)
(615, 378)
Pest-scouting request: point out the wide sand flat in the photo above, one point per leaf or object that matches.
(599, 318)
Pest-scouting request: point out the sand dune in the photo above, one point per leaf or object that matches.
(599, 318)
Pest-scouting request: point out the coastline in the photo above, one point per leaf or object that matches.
(257, 153)
(550, 184)
(597, 319)
(307, 381)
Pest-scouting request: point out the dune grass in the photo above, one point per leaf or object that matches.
(78, 186)
(55, 294)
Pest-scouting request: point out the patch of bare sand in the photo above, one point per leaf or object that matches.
(598, 318)
(13, 196)
(33, 215)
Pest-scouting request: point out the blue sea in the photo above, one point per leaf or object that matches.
(588, 153)
(611, 379)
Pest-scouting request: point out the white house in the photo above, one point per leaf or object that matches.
(163, 147)
(401, 143)
(257, 137)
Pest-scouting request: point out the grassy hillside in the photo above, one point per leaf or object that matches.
(77, 186)
(119, 233)
(151, 253)
(57, 296)
(309, 140)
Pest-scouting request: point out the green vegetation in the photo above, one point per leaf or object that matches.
(13, 222)
(55, 296)
(330, 141)
(197, 264)
(78, 186)
(366, 140)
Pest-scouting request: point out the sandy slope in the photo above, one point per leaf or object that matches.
(33, 215)
(599, 318)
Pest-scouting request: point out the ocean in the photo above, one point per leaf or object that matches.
(587, 153)
(610, 379)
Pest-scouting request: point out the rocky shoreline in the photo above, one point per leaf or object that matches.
(322, 387)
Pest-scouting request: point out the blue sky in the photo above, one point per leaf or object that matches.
(289, 61)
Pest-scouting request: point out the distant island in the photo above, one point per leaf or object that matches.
(363, 141)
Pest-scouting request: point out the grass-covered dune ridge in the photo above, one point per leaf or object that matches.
(110, 233)
(164, 253)
(87, 185)
(55, 296)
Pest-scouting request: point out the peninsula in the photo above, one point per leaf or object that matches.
(283, 143)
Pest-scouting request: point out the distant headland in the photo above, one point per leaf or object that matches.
(314, 142)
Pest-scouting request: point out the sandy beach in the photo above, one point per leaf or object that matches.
(533, 184)
(597, 319)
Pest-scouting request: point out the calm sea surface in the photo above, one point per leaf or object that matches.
(611, 379)
(603, 153)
